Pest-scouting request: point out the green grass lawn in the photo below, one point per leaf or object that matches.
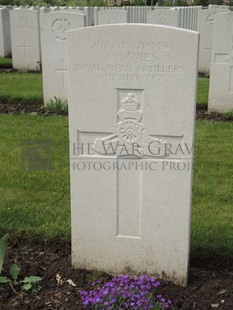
(5, 63)
(21, 87)
(202, 92)
(27, 87)
(37, 203)
(212, 226)
(34, 203)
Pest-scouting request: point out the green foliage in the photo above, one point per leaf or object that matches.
(125, 3)
(15, 271)
(57, 105)
(180, 3)
(54, 2)
(133, 2)
(31, 283)
(28, 283)
(3, 248)
(95, 275)
(86, 3)
(201, 2)
(4, 280)
(33, 2)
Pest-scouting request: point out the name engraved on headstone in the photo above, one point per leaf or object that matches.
(117, 62)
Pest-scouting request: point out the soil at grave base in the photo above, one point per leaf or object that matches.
(20, 107)
(210, 284)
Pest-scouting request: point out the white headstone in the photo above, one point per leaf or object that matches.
(131, 184)
(25, 39)
(205, 27)
(221, 71)
(5, 35)
(163, 17)
(53, 41)
(112, 17)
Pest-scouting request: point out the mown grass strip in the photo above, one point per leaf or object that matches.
(19, 87)
(5, 63)
(37, 203)
(202, 92)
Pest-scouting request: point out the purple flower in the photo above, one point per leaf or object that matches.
(125, 292)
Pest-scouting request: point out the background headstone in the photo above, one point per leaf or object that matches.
(25, 39)
(205, 27)
(5, 35)
(132, 86)
(221, 71)
(163, 17)
(53, 41)
(112, 17)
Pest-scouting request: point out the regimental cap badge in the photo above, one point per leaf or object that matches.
(130, 103)
(59, 27)
(129, 108)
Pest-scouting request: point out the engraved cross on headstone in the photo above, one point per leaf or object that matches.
(132, 150)
(63, 71)
(226, 59)
(25, 47)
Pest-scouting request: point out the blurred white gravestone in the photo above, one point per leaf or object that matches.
(53, 42)
(112, 17)
(5, 35)
(25, 39)
(132, 96)
(205, 27)
(168, 17)
(221, 71)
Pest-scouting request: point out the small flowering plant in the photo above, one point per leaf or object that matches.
(125, 292)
